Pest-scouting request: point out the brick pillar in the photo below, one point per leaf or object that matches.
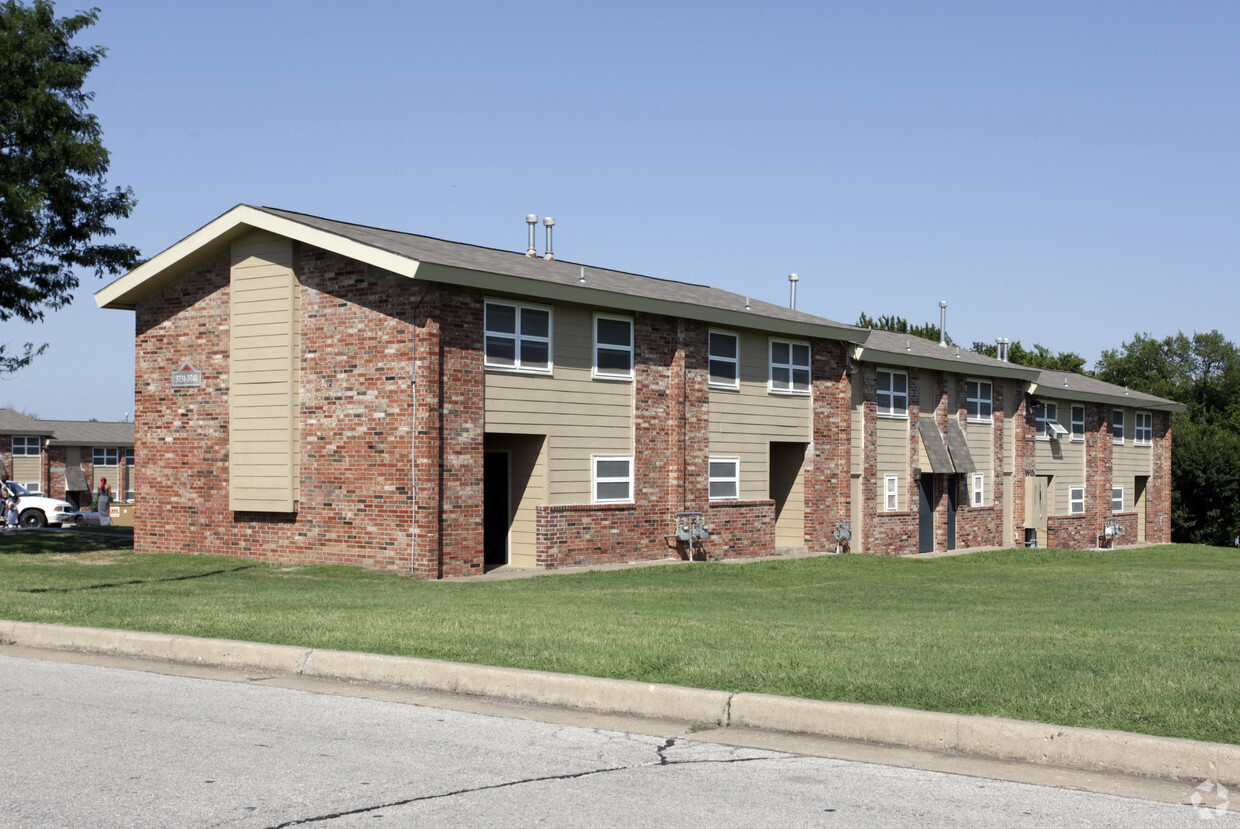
(1099, 474)
(828, 476)
(658, 427)
(1158, 488)
(448, 443)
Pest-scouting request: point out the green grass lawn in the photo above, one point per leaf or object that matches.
(1143, 640)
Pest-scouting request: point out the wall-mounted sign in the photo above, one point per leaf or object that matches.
(186, 377)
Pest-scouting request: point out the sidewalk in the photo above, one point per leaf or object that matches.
(986, 737)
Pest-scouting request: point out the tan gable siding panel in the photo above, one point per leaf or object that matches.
(264, 352)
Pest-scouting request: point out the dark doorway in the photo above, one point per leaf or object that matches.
(925, 515)
(496, 515)
(953, 498)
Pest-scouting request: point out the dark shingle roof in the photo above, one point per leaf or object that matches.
(68, 432)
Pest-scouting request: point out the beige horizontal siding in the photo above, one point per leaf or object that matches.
(263, 375)
(892, 451)
(580, 416)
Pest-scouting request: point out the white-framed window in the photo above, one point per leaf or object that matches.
(979, 489)
(613, 347)
(724, 351)
(725, 479)
(25, 446)
(979, 400)
(892, 393)
(893, 492)
(1078, 423)
(105, 456)
(34, 487)
(1076, 500)
(1117, 426)
(1143, 431)
(789, 367)
(518, 336)
(1046, 414)
(1117, 499)
(613, 479)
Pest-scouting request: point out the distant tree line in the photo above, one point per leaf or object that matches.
(1201, 371)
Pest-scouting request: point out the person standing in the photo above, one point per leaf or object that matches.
(104, 501)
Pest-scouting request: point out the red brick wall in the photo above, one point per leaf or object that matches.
(828, 473)
(355, 418)
(1158, 488)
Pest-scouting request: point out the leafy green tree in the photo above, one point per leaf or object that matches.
(1202, 372)
(1205, 483)
(927, 331)
(55, 205)
(1038, 357)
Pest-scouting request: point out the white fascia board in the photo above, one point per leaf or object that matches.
(1118, 399)
(128, 289)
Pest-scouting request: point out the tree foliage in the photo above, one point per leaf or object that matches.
(1201, 371)
(55, 205)
(1037, 357)
(887, 322)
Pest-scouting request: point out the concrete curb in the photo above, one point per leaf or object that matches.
(1038, 743)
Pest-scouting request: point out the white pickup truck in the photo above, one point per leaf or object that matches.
(37, 511)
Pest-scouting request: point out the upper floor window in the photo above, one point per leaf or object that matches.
(25, 446)
(1078, 423)
(725, 479)
(613, 347)
(979, 400)
(613, 479)
(1143, 431)
(105, 456)
(724, 359)
(1117, 426)
(1076, 500)
(789, 367)
(1046, 415)
(518, 336)
(892, 393)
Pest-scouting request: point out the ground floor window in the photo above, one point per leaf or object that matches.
(1076, 500)
(979, 489)
(893, 492)
(725, 479)
(34, 487)
(613, 479)
(1117, 499)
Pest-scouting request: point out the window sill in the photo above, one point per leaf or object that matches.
(613, 378)
(545, 372)
(788, 392)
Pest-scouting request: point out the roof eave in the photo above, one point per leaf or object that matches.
(159, 271)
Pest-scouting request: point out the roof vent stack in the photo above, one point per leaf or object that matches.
(531, 220)
(792, 283)
(549, 223)
(1003, 343)
(943, 323)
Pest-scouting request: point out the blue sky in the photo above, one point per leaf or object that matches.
(1062, 173)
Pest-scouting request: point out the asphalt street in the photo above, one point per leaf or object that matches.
(91, 745)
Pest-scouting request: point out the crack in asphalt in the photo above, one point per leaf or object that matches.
(660, 752)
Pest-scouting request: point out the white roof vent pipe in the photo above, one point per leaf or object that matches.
(943, 323)
(793, 279)
(531, 220)
(549, 223)
(1003, 343)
